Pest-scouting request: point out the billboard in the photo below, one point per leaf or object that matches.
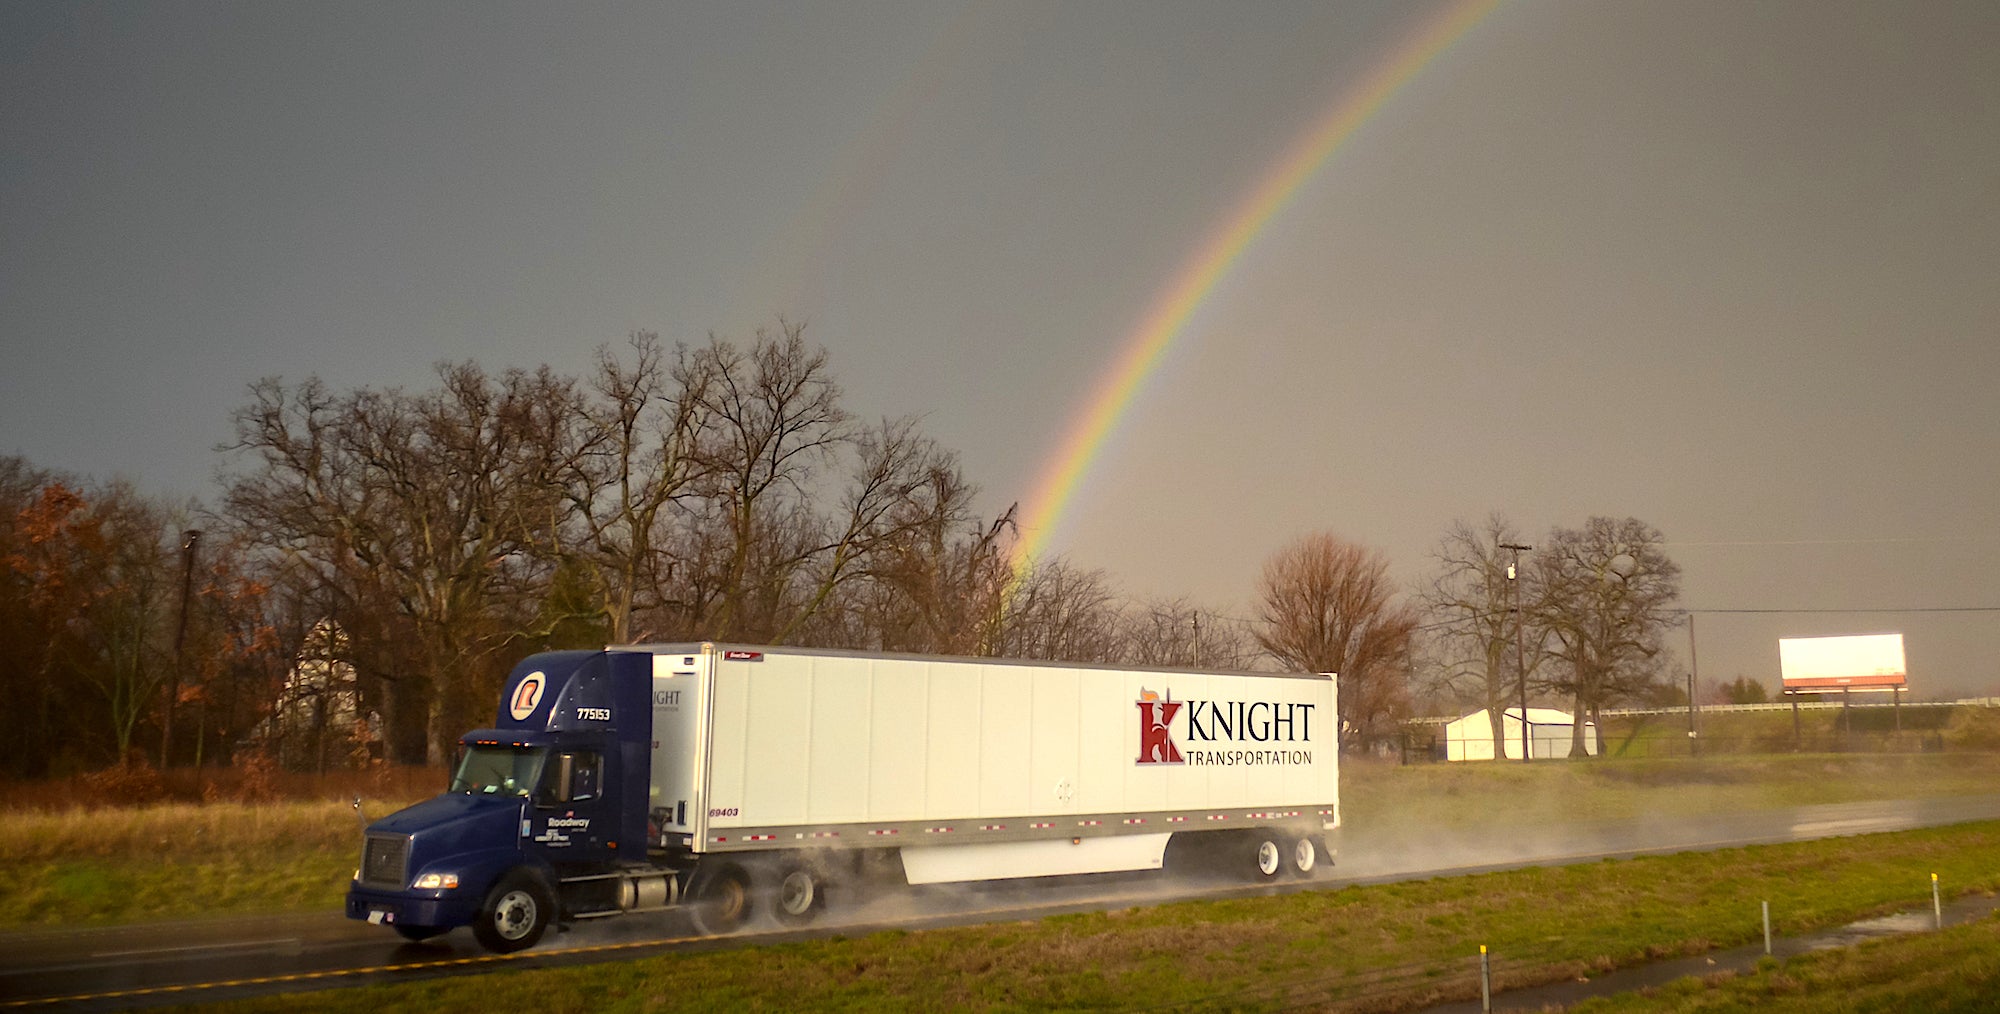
(1854, 662)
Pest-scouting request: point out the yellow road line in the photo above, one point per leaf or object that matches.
(335, 973)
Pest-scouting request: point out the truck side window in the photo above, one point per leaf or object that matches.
(571, 778)
(583, 777)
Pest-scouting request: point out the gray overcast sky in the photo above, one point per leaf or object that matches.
(1731, 268)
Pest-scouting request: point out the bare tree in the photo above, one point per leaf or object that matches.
(243, 637)
(1606, 594)
(312, 495)
(637, 456)
(774, 418)
(1175, 632)
(938, 586)
(1326, 605)
(1059, 612)
(902, 484)
(1476, 609)
(425, 518)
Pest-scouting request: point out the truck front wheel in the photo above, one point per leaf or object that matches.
(515, 913)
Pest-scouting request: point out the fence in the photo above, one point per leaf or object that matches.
(1814, 727)
(1856, 742)
(1429, 746)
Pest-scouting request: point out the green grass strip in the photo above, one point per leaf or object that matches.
(1271, 953)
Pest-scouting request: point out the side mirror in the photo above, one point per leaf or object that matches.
(554, 787)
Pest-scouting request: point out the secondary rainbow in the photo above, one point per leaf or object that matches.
(1168, 315)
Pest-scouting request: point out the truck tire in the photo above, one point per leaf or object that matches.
(1304, 855)
(721, 901)
(1266, 857)
(515, 913)
(798, 894)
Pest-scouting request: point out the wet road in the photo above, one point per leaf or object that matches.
(136, 966)
(1399, 851)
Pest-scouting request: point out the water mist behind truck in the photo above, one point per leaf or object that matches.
(737, 780)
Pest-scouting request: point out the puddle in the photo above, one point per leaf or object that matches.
(1871, 929)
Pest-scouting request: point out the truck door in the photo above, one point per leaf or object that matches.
(570, 818)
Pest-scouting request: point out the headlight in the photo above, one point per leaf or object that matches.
(436, 882)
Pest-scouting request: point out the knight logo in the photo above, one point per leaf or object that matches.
(527, 695)
(1156, 740)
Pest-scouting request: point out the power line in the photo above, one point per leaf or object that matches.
(1918, 609)
(1906, 540)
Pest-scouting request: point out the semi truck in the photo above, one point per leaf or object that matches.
(740, 780)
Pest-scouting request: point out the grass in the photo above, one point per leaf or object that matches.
(1493, 794)
(1383, 946)
(1955, 970)
(93, 865)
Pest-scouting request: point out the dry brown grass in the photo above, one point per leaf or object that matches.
(180, 832)
(133, 844)
(142, 786)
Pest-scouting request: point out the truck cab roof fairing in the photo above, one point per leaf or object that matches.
(545, 691)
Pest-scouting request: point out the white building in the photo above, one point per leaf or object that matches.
(1471, 738)
(317, 720)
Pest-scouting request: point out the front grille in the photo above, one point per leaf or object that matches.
(385, 860)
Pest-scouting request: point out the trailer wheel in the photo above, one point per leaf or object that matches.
(799, 894)
(515, 913)
(1268, 856)
(721, 901)
(1305, 856)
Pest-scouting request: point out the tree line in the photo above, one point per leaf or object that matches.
(375, 559)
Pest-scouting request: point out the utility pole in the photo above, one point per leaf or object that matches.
(1694, 679)
(180, 638)
(1520, 640)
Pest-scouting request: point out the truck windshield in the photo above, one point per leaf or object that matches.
(498, 770)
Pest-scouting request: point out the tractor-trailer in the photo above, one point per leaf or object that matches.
(735, 779)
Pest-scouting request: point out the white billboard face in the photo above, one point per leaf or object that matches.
(1858, 662)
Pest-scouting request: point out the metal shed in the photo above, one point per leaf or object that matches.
(1471, 738)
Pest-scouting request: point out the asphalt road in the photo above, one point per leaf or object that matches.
(128, 967)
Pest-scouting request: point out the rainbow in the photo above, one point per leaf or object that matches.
(1168, 315)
